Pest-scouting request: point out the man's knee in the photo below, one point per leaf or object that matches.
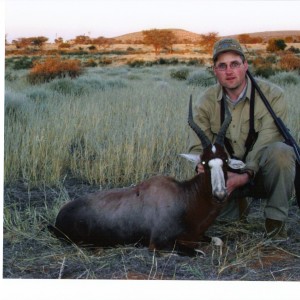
(279, 154)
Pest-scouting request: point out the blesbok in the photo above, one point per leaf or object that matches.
(159, 212)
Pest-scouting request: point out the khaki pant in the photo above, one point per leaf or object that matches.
(274, 181)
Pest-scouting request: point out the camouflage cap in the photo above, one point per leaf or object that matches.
(225, 45)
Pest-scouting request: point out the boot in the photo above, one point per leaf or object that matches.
(275, 230)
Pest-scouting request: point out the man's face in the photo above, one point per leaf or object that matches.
(230, 70)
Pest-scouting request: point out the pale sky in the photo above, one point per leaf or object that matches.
(111, 18)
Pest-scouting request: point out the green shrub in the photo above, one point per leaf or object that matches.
(136, 63)
(201, 78)
(67, 86)
(162, 61)
(195, 62)
(92, 48)
(10, 77)
(265, 72)
(24, 62)
(294, 50)
(38, 94)
(85, 85)
(180, 74)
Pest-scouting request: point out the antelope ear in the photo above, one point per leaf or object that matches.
(236, 164)
(194, 158)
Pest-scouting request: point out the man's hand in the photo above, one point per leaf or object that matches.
(235, 181)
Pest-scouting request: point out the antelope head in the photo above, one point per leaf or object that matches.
(214, 157)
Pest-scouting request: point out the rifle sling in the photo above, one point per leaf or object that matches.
(252, 135)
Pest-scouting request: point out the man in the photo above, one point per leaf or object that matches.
(269, 163)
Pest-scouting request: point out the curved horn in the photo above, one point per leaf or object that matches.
(201, 135)
(222, 132)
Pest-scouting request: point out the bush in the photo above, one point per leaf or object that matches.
(67, 86)
(294, 50)
(271, 59)
(265, 72)
(181, 74)
(289, 62)
(53, 68)
(275, 45)
(195, 62)
(201, 78)
(10, 77)
(92, 48)
(105, 61)
(24, 62)
(136, 63)
(90, 63)
(38, 94)
(85, 85)
(284, 78)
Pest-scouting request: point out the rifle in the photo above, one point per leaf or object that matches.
(285, 132)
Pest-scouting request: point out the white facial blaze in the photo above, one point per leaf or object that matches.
(213, 149)
(217, 178)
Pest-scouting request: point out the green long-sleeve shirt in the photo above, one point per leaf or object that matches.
(206, 113)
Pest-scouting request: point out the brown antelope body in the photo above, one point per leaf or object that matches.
(160, 212)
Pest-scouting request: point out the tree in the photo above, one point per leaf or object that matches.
(247, 39)
(275, 45)
(31, 41)
(244, 38)
(208, 40)
(159, 39)
(21, 43)
(103, 41)
(59, 40)
(38, 41)
(82, 40)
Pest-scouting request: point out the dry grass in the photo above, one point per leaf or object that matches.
(244, 256)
